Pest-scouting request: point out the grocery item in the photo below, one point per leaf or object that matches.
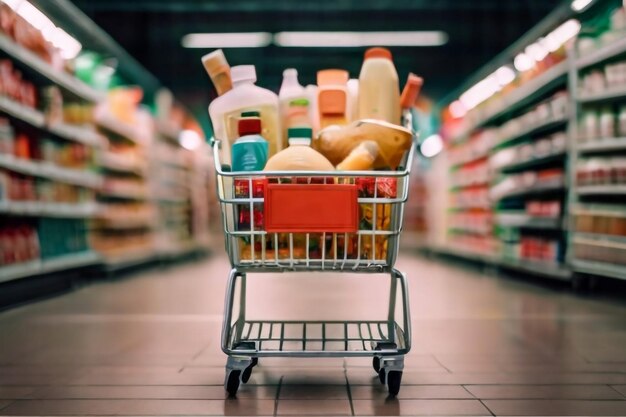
(294, 103)
(411, 91)
(332, 97)
(218, 69)
(225, 111)
(361, 158)
(299, 156)
(379, 93)
(250, 150)
(336, 143)
(621, 124)
(607, 123)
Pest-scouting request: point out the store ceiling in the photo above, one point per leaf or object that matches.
(151, 30)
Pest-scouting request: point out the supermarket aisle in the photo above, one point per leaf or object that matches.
(149, 345)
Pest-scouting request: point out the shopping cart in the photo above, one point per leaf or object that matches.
(280, 222)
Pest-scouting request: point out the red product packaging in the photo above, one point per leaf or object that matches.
(242, 188)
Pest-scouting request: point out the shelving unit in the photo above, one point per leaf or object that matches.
(113, 212)
(596, 252)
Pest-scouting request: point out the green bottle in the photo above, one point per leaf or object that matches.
(250, 151)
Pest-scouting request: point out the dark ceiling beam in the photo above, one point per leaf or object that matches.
(309, 5)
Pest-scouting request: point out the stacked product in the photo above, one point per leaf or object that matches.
(327, 127)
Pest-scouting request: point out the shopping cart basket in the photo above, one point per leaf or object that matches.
(348, 221)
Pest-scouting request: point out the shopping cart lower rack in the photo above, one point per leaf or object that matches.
(314, 222)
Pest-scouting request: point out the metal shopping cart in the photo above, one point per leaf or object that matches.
(305, 221)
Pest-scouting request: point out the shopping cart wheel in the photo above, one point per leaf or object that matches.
(245, 376)
(232, 382)
(381, 375)
(376, 364)
(394, 379)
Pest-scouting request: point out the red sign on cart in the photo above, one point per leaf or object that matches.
(311, 208)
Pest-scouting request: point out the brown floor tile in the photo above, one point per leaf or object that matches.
(313, 392)
(620, 388)
(239, 407)
(178, 392)
(546, 392)
(417, 392)
(214, 376)
(318, 376)
(556, 407)
(397, 407)
(16, 392)
(314, 408)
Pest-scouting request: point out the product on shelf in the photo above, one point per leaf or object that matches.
(19, 243)
(554, 144)
(602, 224)
(13, 86)
(606, 123)
(554, 177)
(476, 173)
(611, 76)
(543, 208)
(479, 222)
(475, 197)
(601, 171)
(476, 147)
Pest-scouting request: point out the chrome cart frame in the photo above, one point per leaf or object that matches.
(371, 249)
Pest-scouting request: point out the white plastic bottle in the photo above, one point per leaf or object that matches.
(225, 111)
(379, 91)
(294, 103)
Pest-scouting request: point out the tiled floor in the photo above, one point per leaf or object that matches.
(149, 345)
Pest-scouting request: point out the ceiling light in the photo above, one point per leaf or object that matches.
(190, 139)
(457, 109)
(356, 39)
(505, 75)
(227, 40)
(431, 146)
(523, 62)
(580, 5)
(536, 51)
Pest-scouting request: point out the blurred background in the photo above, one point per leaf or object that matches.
(106, 168)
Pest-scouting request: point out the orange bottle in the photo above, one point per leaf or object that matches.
(332, 97)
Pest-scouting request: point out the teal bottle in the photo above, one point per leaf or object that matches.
(250, 151)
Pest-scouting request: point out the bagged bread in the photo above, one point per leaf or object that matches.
(336, 143)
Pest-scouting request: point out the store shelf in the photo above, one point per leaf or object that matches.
(118, 127)
(468, 161)
(600, 210)
(125, 194)
(118, 163)
(548, 187)
(469, 231)
(546, 269)
(599, 268)
(123, 223)
(545, 126)
(467, 207)
(63, 210)
(128, 259)
(601, 190)
(608, 95)
(528, 92)
(49, 171)
(24, 113)
(603, 145)
(523, 220)
(62, 79)
(38, 267)
(475, 184)
(600, 239)
(465, 254)
(598, 55)
(81, 134)
(532, 163)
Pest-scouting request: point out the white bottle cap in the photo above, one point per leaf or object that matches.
(290, 72)
(241, 73)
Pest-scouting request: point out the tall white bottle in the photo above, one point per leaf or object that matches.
(294, 103)
(225, 111)
(379, 91)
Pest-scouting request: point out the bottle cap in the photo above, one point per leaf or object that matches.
(290, 73)
(243, 73)
(332, 77)
(411, 91)
(299, 135)
(249, 126)
(378, 52)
